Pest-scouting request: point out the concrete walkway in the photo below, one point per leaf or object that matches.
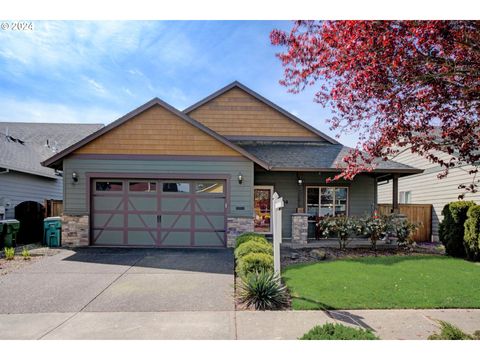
(241, 325)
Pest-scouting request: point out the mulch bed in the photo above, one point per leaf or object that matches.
(308, 255)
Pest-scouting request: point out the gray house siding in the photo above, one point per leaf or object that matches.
(19, 187)
(241, 198)
(361, 199)
(427, 188)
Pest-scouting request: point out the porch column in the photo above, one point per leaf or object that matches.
(395, 194)
(299, 228)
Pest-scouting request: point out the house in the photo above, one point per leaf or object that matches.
(165, 178)
(24, 183)
(426, 187)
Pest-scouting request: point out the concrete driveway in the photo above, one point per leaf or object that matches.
(121, 280)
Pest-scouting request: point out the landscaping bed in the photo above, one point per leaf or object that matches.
(385, 282)
(37, 252)
(291, 256)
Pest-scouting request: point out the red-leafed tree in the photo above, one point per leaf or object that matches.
(395, 83)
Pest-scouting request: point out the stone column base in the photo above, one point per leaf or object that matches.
(299, 228)
(75, 230)
(237, 226)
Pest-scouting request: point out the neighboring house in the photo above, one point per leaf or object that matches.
(24, 183)
(427, 188)
(165, 178)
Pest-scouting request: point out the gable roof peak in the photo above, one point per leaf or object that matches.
(264, 100)
(57, 158)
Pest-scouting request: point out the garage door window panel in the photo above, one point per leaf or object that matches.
(176, 187)
(108, 186)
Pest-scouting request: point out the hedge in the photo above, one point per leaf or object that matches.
(250, 237)
(253, 247)
(452, 229)
(254, 263)
(472, 233)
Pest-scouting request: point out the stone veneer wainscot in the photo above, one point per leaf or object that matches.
(237, 226)
(75, 230)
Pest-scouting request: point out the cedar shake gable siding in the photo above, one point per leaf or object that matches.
(157, 131)
(238, 113)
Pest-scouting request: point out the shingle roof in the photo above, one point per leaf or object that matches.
(27, 154)
(310, 156)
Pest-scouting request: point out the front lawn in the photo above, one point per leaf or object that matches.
(385, 282)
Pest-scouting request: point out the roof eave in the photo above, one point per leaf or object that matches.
(337, 170)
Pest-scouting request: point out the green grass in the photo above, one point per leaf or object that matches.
(385, 282)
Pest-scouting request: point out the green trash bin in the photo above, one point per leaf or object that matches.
(1, 234)
(52, 231)
(9, 232)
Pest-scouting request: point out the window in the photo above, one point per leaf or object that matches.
(262, 203)
(177, 187)
(209, 187)
(108, 186)
(142, 186)
(405, 197)
(326, 201)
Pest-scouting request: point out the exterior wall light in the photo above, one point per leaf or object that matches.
(75, 176)
(240, 178)
(300, 182)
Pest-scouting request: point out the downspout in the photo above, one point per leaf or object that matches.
(6, 171)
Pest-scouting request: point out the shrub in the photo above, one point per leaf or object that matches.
(263, 291)
(254, 263)
(9, 253)
(374, 227)
(403, 230)
(253, 247)
(472, 233)
(25, 254)
(249, 237)
(338, 332)
(343, 227)
(451, 230)
(450, 332)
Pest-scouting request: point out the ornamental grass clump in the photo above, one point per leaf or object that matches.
(342, 227)
(9, 253)
(451, 332)
(331, 331)
(263, 291)
(25, 254)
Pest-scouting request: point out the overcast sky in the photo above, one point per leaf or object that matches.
(98, 71)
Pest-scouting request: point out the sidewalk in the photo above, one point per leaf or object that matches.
(229, 325)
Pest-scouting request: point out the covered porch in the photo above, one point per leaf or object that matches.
(308, 195)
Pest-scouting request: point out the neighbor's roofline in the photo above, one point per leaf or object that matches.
(155, 101)
(265, 101)
(31, 172)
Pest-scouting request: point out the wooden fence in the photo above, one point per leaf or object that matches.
(416, 213)
(53, 207)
